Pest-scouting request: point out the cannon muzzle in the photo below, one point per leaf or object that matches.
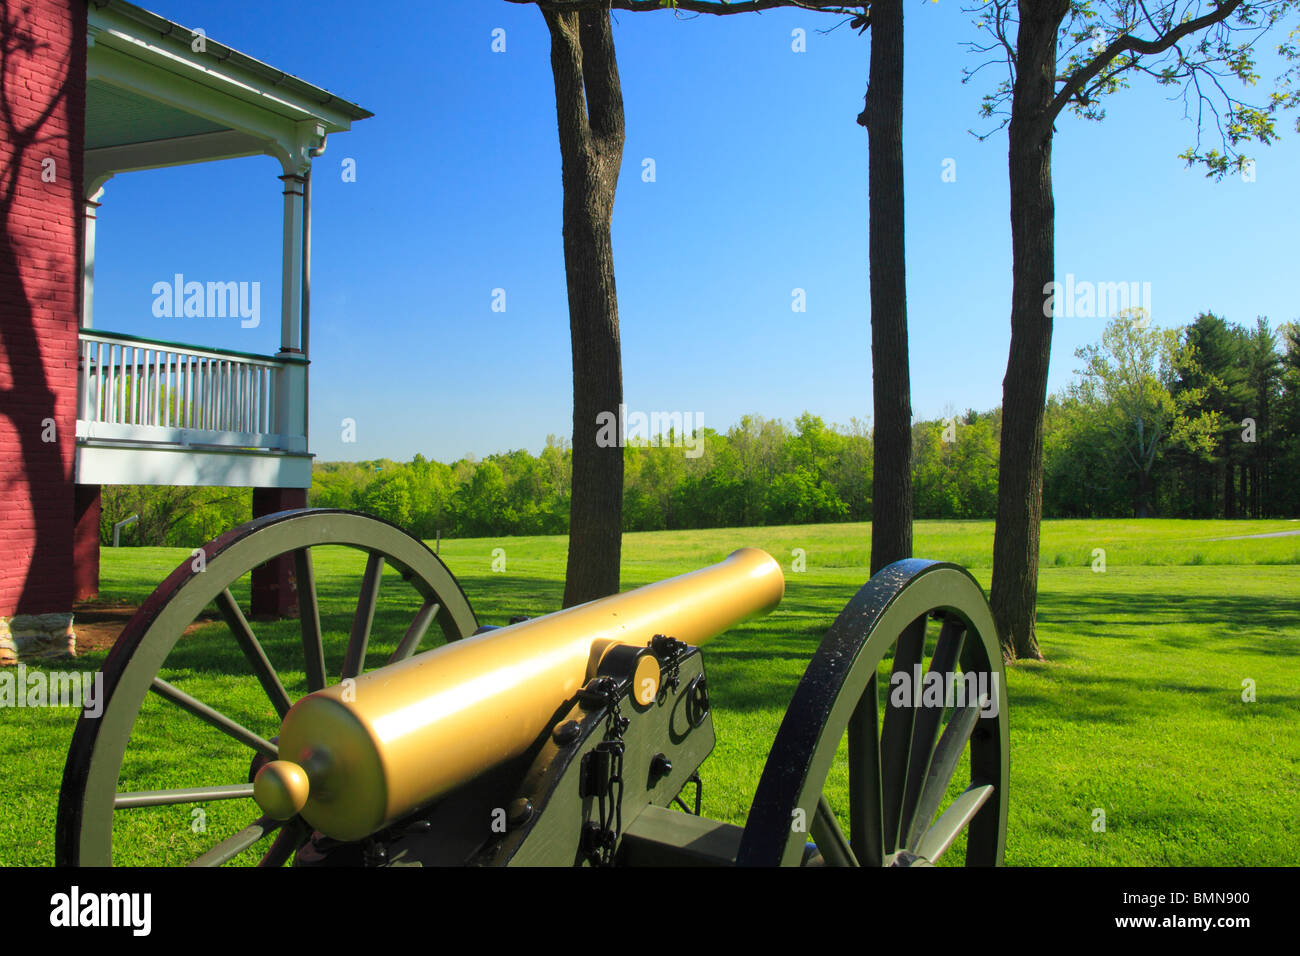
(359, 755)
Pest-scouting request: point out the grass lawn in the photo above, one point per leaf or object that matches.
(1138, 712)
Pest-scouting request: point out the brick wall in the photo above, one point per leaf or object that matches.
(40, 300)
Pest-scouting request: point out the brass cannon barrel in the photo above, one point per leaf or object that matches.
(355, 757)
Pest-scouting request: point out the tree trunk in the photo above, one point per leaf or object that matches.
(891, 509)
(1024, 389)
(1143, 509)
(1241, 495)
(591, 148)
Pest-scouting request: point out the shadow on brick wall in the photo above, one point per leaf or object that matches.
(27, 399)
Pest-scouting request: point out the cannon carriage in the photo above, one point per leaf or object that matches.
(576, 738)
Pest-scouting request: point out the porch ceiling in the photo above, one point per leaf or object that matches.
(118, 117)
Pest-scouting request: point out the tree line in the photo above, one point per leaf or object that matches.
(1202, 421)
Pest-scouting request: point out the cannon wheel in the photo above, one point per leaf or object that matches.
(899, 768)
(89, 798)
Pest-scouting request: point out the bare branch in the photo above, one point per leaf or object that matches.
(1125, 43)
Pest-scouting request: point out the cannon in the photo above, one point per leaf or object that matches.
(573, 738)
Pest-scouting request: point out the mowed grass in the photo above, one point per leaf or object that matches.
(1136, 720)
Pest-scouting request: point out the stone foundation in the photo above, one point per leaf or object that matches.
(36, 637)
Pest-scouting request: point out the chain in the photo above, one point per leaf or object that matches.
(611, 805)
(615, 723)
(669, 650)
(605, 779)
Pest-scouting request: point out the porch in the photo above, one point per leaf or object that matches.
(172, 413)
(162, 413)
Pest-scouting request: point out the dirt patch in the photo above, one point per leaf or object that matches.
(98, 625)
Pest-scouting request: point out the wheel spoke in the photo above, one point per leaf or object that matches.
(896, 738)
(313, 647)
(162, 798)
(828, 836)
(84, 833)
(415, 633)
(252, 649)
(842, 693)
(939, 837)
(925, 729)
(214, 717)
(231, 847)
(988, 759)
(865, 826)
(364, 617)
(942, 767)
(287, 842)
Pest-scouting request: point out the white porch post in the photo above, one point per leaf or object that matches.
(291, 380)
(292, 264)
(87, 300)
(88, 261)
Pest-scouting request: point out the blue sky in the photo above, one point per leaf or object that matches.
(760, 189)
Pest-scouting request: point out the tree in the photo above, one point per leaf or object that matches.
(1079, 455)
(432, 485)
(1127, 378)
(483, 505)
(1263, 368)
(852, 472)
(1217, 384)
(1287, 419)
(171, 515)
(1074, 54)
(891, 386)
(750, 460)
(389, 497)
(589, 112)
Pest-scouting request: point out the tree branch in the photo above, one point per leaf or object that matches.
(715, 7)
(566, 65)
(1126, 42)
(600, 78)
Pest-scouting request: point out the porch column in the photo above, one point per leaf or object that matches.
(88, 260)
(274, 592)
(85, 542)
(291, 379)
(291, 273)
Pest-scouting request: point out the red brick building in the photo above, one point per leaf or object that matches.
(93, 89)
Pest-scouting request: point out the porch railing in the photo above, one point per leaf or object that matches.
(134, 389)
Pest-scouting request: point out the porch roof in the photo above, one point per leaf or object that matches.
(154, 100)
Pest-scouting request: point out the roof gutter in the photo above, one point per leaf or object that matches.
(169, 28)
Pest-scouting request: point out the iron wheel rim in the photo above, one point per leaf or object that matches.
(89, 797)
(898, 600)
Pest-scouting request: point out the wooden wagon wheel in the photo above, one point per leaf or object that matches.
(90, 798)
(899, 768)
